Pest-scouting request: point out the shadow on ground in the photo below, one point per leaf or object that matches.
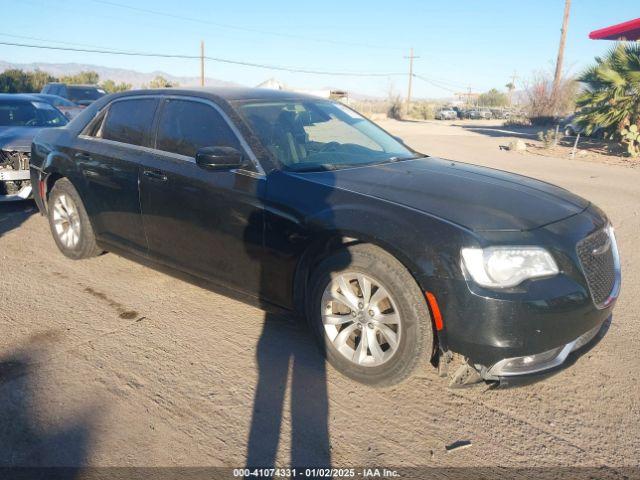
(529, 133)
(13, 214)
(29, 437)
(286, 350)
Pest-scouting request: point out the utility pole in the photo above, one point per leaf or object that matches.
(202, 63)
(410, 57)
(563, 37)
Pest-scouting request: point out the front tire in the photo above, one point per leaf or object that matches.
(69, 222)
(369, 315)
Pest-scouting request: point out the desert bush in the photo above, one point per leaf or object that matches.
(547, 137)
(543, 120)
(517, 121)
(423, 111)
(395, 108)
(545, 105)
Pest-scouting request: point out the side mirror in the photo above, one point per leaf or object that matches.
(219, 158)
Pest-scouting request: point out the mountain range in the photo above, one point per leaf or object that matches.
(136, 79)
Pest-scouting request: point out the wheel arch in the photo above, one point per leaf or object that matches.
(332, 241)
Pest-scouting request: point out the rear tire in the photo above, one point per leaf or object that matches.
(69, 222)
(380, 291)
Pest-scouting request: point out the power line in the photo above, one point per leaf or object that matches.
(213, 59)
(241, 28)
(434, 83)
(48, 40)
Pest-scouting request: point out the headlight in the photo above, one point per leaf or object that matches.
(503, 267)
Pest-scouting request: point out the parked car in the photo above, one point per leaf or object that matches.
(446, 114)
(479, 114)
(67, 107)
(500, 113)
(78, 94)
(301, 203)
(21, 117)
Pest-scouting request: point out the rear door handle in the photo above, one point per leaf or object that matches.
(83, 156)
(155, 175)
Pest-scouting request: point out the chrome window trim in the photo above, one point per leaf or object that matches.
(260, 173)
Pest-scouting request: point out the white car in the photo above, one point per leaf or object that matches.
(446, 114)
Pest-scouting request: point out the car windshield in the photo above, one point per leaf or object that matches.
(58, 101)
(30, 114)
(307, 135)
(85, 93)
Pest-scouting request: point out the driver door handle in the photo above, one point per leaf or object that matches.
(154, 174)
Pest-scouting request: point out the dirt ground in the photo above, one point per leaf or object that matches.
(105, 362)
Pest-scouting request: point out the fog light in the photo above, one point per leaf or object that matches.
(529, 363)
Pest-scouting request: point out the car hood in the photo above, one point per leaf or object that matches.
(17, 138)
(475, 197)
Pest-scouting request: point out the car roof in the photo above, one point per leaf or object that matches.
(26, 97)
(83, 85)
(229, 94)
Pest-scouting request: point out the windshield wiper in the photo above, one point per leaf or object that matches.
(312, 168)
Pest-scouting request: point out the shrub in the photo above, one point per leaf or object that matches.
(395, 108)
(547, 137)
(543, 103)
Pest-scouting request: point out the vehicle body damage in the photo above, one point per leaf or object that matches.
(22, 117)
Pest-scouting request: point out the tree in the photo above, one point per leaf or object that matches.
(19, 81)
(493, 98)
(39, 79)
(510, 87)
(110, 86)
(161, 82)
(543, 104)
(85, 77)
(611, 97)
(15, 81)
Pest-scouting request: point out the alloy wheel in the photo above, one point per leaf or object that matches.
(361, 319)
(66, 221)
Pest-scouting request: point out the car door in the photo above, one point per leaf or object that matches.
(208, 223)
(109, 154)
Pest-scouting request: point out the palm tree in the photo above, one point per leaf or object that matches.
(611, 99)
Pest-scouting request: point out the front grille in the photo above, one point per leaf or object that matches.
(596, 254)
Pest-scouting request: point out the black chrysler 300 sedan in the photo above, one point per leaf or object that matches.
(301, 203)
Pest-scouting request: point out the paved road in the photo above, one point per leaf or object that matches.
(106, 362)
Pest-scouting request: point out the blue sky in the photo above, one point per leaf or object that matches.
(460, 43)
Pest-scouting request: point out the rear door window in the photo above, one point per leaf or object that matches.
(76, 93)
(128, 121)
(186, 126)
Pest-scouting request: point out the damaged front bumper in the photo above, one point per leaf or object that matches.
(15, 178)
(539, 362)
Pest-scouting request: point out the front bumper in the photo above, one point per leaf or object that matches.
(532, 328)
(538, 362)
(12, 176)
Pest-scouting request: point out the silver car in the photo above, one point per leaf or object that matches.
(446, 114)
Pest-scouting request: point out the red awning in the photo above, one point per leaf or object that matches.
(623, 31)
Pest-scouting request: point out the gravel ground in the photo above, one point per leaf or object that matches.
(105, 362)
